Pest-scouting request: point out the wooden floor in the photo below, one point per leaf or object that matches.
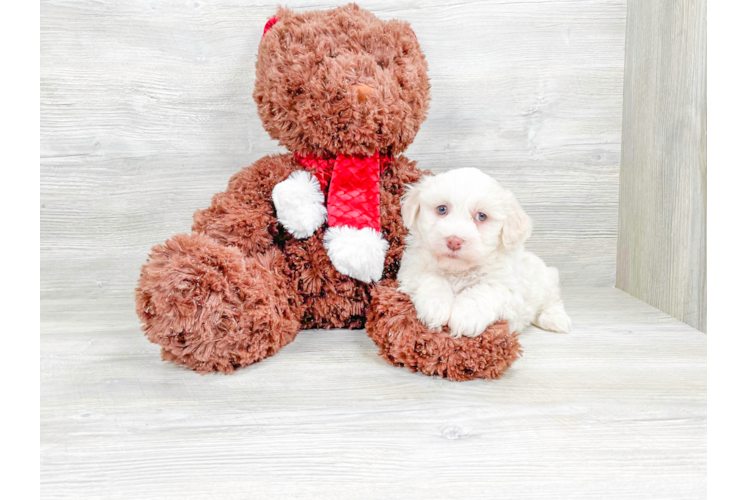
(616, 409)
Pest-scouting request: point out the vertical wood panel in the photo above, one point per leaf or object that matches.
(662, 214)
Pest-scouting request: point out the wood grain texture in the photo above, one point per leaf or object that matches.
(662, 220)
(616, 409)
(146, 111)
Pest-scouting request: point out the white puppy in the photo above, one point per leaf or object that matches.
(465, 264)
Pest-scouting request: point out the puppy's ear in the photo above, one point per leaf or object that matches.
(410, 204)
(517, 227)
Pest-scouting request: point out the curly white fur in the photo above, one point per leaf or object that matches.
(490, 276)
(300, 204)
(358, 253)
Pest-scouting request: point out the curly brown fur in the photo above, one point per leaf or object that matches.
(211, 308)
(243, 216)
(404, 341)
(307, 65)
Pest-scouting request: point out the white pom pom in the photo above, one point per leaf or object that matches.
(300, 204)
(358, 253)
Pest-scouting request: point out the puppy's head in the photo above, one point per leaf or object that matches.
(462, 216)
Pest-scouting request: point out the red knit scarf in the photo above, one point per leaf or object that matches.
(351, 187)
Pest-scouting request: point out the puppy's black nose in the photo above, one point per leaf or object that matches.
(454, 243)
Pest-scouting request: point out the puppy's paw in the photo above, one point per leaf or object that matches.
(554, 319)
(510, 315)
(468, 318)
(433, 310)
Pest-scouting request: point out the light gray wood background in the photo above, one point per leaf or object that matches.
(146, 111)
(662, 223)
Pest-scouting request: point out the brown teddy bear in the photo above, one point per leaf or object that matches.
(298, 240)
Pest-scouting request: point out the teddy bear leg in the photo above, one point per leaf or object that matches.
(212, 308)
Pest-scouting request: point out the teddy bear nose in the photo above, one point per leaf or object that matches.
(454, 243)
(363, 92)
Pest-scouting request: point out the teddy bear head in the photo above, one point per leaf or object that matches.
(340, 81)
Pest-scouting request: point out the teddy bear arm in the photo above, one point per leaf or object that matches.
(243, 216)
(231, 222)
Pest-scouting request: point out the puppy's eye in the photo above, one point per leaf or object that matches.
(480, 217)
(442, 210)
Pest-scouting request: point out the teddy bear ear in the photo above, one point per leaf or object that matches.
(271, 22)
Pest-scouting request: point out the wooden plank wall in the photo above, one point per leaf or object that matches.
(662, 222)
(146, 111)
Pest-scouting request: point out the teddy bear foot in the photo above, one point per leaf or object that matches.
(358, 253)
(210, 307)
(300, 204)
